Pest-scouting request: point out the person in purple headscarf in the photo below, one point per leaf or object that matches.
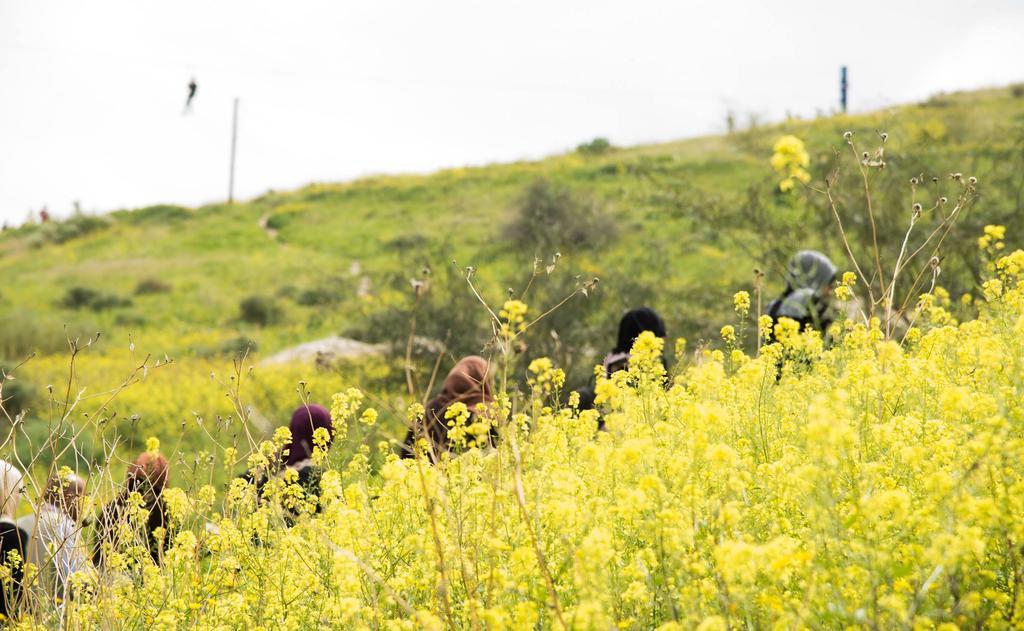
(298, 454)
(305, 421)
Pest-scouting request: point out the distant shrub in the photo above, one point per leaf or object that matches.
(109, 301)
(285, 213)
(330, 292)
(161, 213)
(17, 394)
(129, 319)
(74, 227)
(24, 331)
(152, 286)
(89, 298)
(78, 297)
(595, 147)
(233, 347)
(1017, 90)
(408, 242)
(551, 217)
(238, 346)
(287, 291)
(318, 296)
(638, 166)
(939, 100)
(260, 310)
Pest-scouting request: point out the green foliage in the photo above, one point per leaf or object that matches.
(285, 214)
(692, 220)
(155, 215)
(90, 298)
(330, 291)
(22, 333)
(550, 217)
(595, 147)
(152, 286)
(16, 395)
(74, 227)
(232, 347)
(260, 310)
(442, 305)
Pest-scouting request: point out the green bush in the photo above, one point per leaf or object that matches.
(161, 213)
(130, 319)
(24, 331)
(17, 394)
(549, 217)
(595, 147)
(260, 310)
(76, 226)
(152, 286)
(331, 292)
(238, 346)
(233, 347)
(89, 298)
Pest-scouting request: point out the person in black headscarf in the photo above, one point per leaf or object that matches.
(810, 276)
(632, 324)
(635, 322)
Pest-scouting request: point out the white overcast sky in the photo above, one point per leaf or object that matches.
(92, 93)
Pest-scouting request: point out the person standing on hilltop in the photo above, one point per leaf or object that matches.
(810, 276)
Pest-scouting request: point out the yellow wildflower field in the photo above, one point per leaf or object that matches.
(854, 484)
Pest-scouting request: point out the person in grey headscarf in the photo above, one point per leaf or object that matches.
(810, 276)
(55, 543)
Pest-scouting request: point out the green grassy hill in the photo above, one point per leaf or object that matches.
(679, 226)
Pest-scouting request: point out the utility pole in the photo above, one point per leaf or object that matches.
(843, 86)
(234, 140)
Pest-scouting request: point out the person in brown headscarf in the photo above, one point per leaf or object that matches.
(469, 382)
(147, 476)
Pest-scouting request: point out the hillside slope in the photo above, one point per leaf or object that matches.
(679, 226)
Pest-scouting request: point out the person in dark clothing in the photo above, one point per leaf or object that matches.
(635, 322)
(632, 324)
(810, 276)
(469, 382)
(147, 476)
(586, 399)
(305, 421)
(298, 454)
(12, 540)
